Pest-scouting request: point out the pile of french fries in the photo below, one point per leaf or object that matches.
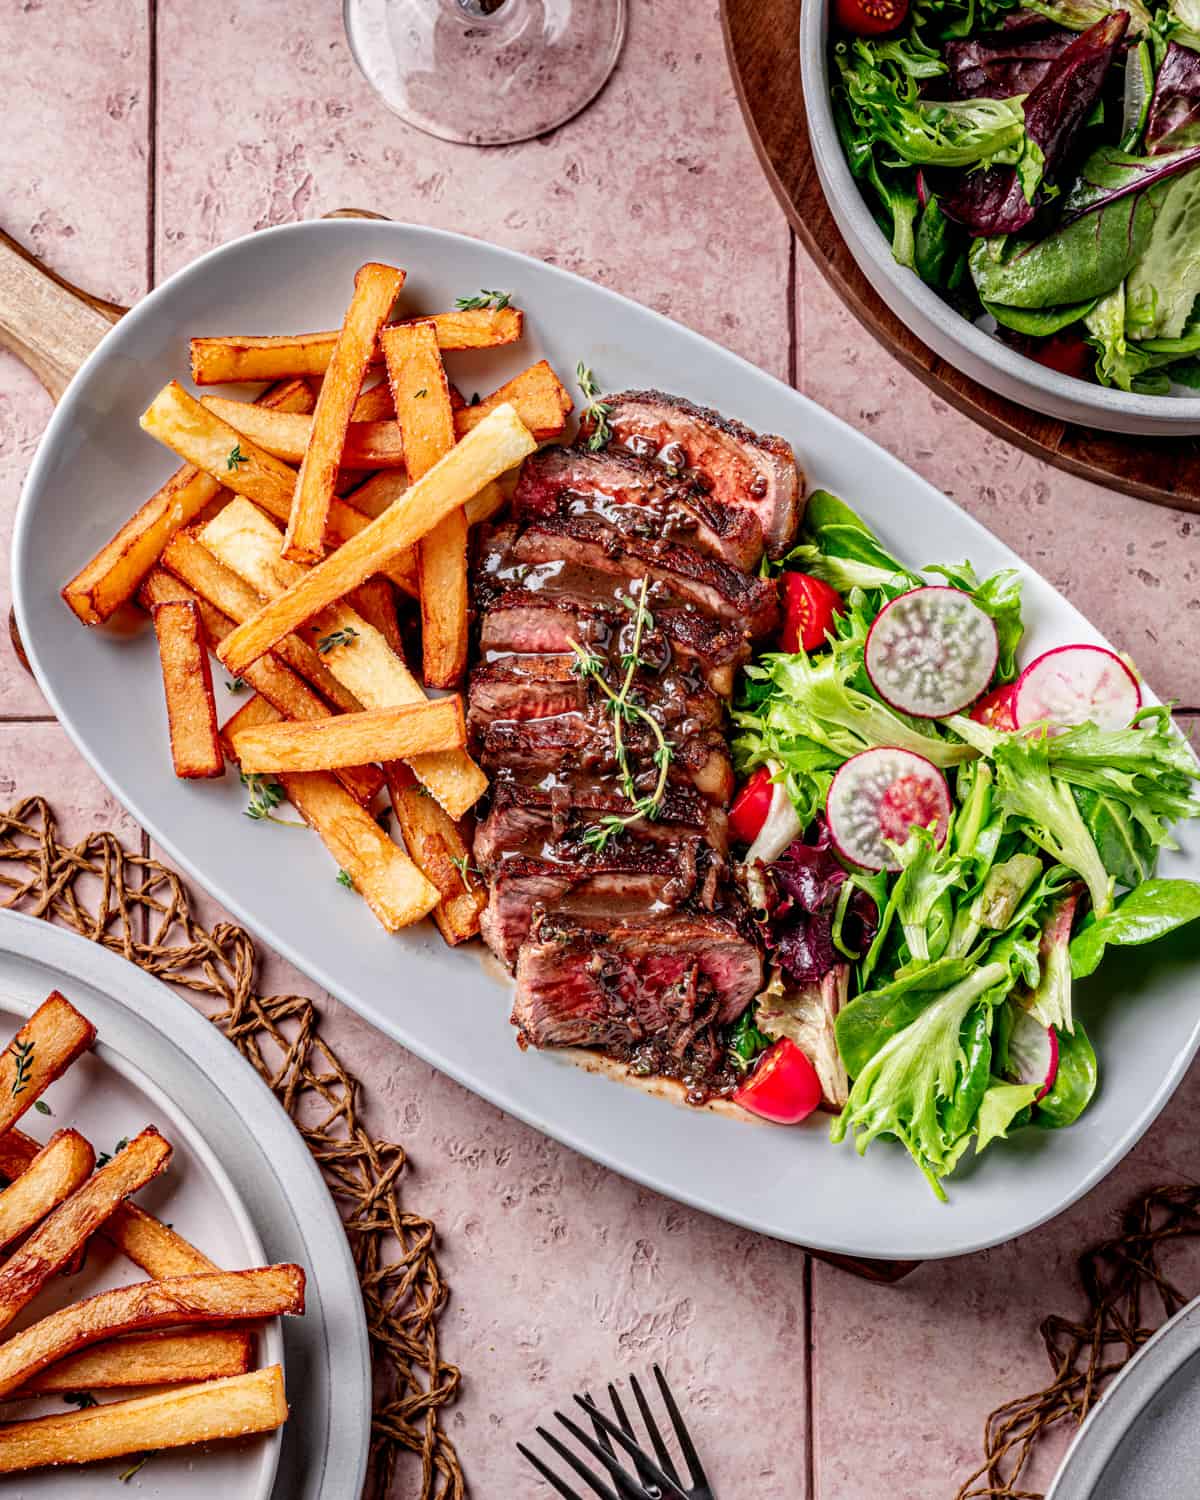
(291, 576)
(58, 1196)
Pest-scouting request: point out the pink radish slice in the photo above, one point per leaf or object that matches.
(1072, 684)
(931, 652)
(877, 796)
(1033, 1052)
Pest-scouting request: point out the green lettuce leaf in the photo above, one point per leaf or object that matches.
(1162, 287)
(1000, 1108)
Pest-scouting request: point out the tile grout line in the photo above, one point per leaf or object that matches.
(810, 1400)
(793, 330)
(28, 719)
(151, 141)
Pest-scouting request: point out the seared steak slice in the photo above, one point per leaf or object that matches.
(587, 985)
(725, 592)
(638, 498)
(525, 687)
(739, 466)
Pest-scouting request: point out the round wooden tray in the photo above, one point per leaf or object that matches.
(761, 38)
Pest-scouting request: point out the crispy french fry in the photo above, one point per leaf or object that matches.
(253, 712)
(499, 443)
(45, 1047)
(112, 577)
(55, 1172)
(235, 1407)
(68, 1228)
(436, 843)
(422, 396)
(538, 396)
(367, 444)
(217, 1297)
(147, 1359)
(368, 663)
(353, 739)
(375, 405)
(218, 361)
(187, 682)
(375, 290)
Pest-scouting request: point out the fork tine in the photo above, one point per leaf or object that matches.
(551, 1478)
(660, 1448)
(669, 1486)
(688, 1448)
(639, 1462)
(597, 1486)
(602, 1436)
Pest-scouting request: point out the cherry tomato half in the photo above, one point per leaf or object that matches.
(869, 17)
(783, 1087)
(751, 806)
(1067, 353)
(809, 609)
(995, 709)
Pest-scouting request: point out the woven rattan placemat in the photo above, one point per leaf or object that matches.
(140, 909)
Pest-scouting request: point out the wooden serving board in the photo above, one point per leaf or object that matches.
(762, 40)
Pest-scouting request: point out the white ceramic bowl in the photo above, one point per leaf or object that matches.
(984, 358)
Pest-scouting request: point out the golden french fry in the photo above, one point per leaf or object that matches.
(499, 443)
(538, 396)
(375, 290)
(437, 845)
(55, 1172)
(369, 664)
(235, 1407)
(112, 577)
(353, 739)
(44, 1048)
(68, 1228)
(218, 361)
(187, 683)
(367, 445)
(374, 405)
(147, 1359)
(422, 396)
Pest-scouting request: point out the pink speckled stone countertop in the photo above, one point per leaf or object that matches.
(141, 135)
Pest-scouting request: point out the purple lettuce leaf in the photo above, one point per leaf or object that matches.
(995, 201)
(1005, 63)
(1174, 118)
(807, 881)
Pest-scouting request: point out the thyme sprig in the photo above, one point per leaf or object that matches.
(265, 797)
(484, 298)
(596, 412)
(23, 1055)
(462, 863)
(236, 457)
(623, 709)
(341, 637)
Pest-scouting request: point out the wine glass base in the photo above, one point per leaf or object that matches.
(485, 74)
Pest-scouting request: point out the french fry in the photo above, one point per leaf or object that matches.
(498, 444)
(253, 712)
(376, 288)
(369, 664)
(147, 1359)
(538, 396)
(375, 601)
(55, 1172)
(375, 405)
(422, 396)
(230, 1408)
(366, 445)
(220, 361)
(187, 683)
(112, 577)
(353, 739)
(45, 1047)
(436, 844)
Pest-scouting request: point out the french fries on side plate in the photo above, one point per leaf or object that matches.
(187, 1331)
(316, 542)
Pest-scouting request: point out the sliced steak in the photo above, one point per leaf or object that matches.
(738, 466)
(638, 498)
(585, 985)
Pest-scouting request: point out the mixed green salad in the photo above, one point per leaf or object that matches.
(942, 839)
(1037, 162)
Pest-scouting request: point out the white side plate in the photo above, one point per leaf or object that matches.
(95, 466)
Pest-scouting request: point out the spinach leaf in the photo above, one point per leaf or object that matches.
(1039, 322)
(975, 1041)
(745, 1041)
(934, 250)
(1074, 1083)
(1124, 845)
(1154, 909)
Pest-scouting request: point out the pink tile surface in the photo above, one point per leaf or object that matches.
(563, 1274)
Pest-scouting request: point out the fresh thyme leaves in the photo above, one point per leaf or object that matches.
(623, 709)
(23, 1054)
(596, 412)
(265, 797)
(42, 1107)
(341, 637)
(484, 298)
(236, 686)
(136, 1466)
(462, 863)
(106, 1156)
(424, 391)
(236, 457)
(345, 878)
(81, 1399)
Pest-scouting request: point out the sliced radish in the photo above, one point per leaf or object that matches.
(931, 652)
(1033, 1052)
(1072, 684)
(877, 796)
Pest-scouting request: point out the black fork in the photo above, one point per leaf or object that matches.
(652, 1478)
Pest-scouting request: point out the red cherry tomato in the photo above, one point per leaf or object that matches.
(751, 806)
(783, 1087)
(1067, 353)
(995, 709)
(809, 609)
(869, 17)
